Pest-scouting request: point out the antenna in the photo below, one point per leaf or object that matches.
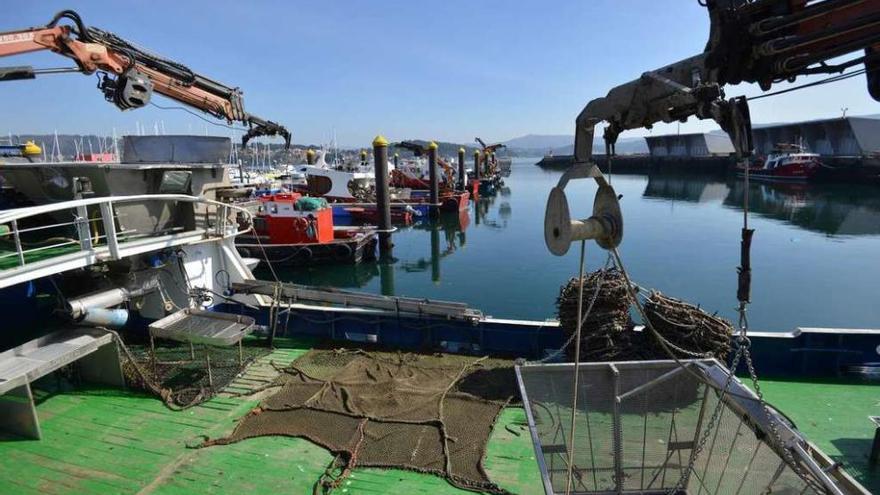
(116, 146)
(843, 111)
(56, 149)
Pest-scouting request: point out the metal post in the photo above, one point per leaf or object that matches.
(462, 176)
(475, 184)
(383, 204)
(208, 363)
(617, 432)
(434, 179)
(477, 165)
(17, 238)
(110, 229)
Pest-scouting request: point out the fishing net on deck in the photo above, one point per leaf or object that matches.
(426, 413)
(178, 373)
(607, 333)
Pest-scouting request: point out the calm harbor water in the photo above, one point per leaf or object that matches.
(815, 254)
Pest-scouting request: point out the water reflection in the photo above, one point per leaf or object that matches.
(483, 206)
(452, 226)
(691, 188)
(832, 209)
(342, 276)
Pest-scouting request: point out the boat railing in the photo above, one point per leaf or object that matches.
(37, 241)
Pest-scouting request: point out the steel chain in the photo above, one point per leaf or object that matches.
(745, 344)
(704, 437)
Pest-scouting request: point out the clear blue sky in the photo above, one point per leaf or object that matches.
(447, 70)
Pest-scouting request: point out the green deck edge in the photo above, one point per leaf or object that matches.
(99, 440)
(833, 415)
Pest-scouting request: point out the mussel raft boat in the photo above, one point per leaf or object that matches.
(153, 296)
(291, 229)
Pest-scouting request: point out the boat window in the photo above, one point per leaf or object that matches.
(319, 185)
(176, 182)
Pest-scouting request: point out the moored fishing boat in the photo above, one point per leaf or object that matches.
(788, 162)
(292, 229)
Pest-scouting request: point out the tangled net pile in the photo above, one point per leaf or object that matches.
(174, 376)
(426, 413)
(687, 326)
(607, 333)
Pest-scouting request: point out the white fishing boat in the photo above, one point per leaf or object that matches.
(337, 182)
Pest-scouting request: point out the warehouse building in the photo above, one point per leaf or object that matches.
(839, 137)
(700, 145)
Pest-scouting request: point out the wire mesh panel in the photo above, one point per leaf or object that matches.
(659, 427)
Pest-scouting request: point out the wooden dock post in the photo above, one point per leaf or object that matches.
(462, 175)
(383, 203)
(434, 197)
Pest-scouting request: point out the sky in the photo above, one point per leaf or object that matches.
(446, 70)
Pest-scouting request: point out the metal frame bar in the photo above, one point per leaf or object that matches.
(536, 442)
(401, 305)
(617, 429)
(113, 248)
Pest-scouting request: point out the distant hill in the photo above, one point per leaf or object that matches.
(540, 141)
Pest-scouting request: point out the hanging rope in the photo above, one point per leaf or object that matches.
(577, 360)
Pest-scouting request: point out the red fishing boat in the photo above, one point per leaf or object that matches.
(292, 229)
(787, 162)
(370, 214)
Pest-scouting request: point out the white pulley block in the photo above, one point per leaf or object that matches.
(605, 226)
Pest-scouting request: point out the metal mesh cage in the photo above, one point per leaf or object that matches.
(656, 427)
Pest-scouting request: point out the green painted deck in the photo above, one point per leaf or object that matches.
(99, 440)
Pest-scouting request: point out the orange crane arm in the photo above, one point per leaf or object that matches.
(133, 74)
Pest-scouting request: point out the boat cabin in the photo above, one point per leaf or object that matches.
(291, 218)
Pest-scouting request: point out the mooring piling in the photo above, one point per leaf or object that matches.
(434, 197)
(435, 253)
(383, 204)
(462, 176)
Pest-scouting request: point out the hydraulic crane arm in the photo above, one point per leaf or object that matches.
(132, 73)
(489, 148)
(419, 150)
(760, 41)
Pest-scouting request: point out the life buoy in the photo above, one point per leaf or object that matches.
(300, 224)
